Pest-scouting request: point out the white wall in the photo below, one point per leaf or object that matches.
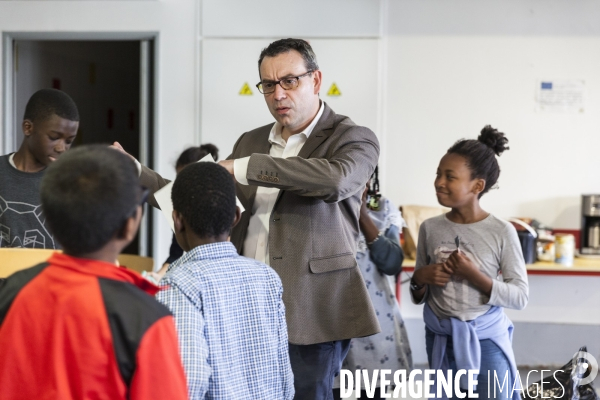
(449, 87)
(455, 66)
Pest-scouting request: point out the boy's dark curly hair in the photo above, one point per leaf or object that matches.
(204, 194)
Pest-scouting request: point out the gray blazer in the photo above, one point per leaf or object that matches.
(313, 229)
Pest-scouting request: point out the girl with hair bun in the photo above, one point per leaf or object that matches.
(469, 267)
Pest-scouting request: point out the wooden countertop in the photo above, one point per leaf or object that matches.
(581, 266)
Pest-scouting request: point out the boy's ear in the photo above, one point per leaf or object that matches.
(131, 226)
(27, 127)
(178, 221)
(238, 216)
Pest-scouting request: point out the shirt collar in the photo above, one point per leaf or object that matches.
(275, 134)
(11, 160)
(102, 269)
(209, 251)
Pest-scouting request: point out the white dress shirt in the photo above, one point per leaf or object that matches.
(256, 244)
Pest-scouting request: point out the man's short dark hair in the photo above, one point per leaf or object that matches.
(285, 45)
(87, 195)
(204, 194)
(46, 102)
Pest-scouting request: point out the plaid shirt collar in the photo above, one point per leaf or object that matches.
(209, 251)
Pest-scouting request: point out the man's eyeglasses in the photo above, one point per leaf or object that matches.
(291, 82)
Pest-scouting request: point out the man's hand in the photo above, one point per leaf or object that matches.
(433, 274)
(117, 146)
(227, 164)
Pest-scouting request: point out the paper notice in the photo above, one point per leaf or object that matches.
(163, 198)
(560, 96)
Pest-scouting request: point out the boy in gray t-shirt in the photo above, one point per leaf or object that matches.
(49, 127)
(491, 244)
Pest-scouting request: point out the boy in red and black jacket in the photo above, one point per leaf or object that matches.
(78, 326)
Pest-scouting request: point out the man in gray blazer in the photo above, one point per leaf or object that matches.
(300, 181)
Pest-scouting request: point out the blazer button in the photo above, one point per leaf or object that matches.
(265, 178)
(259, 177)
(275, 179)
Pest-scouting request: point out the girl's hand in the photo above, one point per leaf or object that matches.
(461, 265)
(433, 274)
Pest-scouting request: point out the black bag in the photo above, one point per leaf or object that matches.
(565, 384)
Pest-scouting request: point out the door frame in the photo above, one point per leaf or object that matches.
(148, 96)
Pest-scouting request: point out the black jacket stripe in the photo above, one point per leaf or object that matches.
(10, 287)
(130, 313)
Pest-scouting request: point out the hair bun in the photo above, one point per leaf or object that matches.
(493, 139)
(210, 148)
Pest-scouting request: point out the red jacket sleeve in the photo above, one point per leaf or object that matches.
(159, 372)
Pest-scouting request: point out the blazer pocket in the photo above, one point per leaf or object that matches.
(332, 263)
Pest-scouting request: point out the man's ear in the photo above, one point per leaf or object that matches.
(132, 225)
(178, 221)
(27, 127)
(238, 216)
(317, 80)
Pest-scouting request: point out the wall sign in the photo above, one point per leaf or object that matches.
(245, 91)
(334, 90)
(560, 96)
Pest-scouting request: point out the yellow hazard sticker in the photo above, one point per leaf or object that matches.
(334, 90)
(246, 91)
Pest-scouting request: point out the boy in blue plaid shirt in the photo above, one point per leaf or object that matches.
(228, 309)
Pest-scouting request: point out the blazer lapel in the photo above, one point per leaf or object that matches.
(320, 133)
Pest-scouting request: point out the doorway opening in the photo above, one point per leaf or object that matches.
(111, 83)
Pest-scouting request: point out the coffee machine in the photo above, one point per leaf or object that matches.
(590, 224)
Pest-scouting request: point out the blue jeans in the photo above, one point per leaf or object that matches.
(315, 366)
(493, 362)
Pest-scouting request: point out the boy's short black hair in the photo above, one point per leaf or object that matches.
(46, 102)
(87, 195)
(204, 194)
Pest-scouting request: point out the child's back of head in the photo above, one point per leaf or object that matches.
(87, 197)
(204, 195)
